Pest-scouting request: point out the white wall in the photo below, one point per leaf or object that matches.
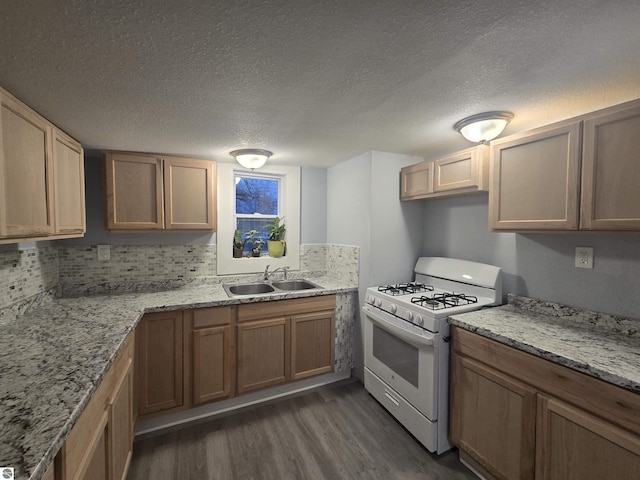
(539, 265)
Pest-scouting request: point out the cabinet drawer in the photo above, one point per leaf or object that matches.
(261, 310)
(211, 317)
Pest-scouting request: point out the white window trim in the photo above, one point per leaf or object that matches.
(226, 264)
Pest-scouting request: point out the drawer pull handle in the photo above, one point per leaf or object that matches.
(390, 397)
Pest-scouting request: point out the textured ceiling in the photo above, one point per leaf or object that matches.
(317, 82)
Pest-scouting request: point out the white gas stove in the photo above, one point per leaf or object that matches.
(406, 340)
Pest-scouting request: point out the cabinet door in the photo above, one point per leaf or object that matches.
(263, 354)
(159, 351)
(312, 344)
(189, 194)
(493, 419)
(463, 170)
(134, 192)
(416, 181)
(611, 172)
(535, 180)
(120, 420)
(68, 168)
(574, 445)
(26, 177)
(212, 364)
(94, 465)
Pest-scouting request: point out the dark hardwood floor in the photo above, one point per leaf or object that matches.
(337, 432)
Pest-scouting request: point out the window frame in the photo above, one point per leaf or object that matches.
(289, 209)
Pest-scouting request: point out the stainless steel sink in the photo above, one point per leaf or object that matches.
(262, 288)
(297, 284)
(248, 288)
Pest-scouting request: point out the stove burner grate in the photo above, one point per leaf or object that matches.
(438, 301)
(405, 288)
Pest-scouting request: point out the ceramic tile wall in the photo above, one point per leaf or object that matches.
(134, 265)
(137, 267)
(346, 304)
(27, 272)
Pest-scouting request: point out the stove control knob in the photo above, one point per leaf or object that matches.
(410, 316)
(393, 308)
(377, 302)
(369, 300)
(419, 320)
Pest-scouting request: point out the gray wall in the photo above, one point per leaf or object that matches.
(313, 209)
(539, 265)
(313, 213)
(364, 209)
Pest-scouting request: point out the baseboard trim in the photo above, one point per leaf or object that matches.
(157, 425)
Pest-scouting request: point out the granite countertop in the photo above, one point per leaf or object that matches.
(603, 346)
(53, 357)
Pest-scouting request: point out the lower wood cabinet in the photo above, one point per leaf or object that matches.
(495, 419)
(192, 357)
(99, 445)
(575, 445)
(522, 417)
(312, 344)
(263, 354)
(212, 361)
(285, 340)
(159, 362)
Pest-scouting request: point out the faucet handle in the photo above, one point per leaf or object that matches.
(266, 273)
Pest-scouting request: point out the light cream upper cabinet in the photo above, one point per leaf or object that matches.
(148, 192)
(26, 171)
(535, 179)
(134, 192)
(579, 174)
(188, 194)
(41, 177)
(611, 171)
(462, 172)
(68, 170)
(416, 181)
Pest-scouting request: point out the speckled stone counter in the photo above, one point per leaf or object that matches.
(53, 357)
(600, 345)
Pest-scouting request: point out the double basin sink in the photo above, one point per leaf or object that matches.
(262, 288)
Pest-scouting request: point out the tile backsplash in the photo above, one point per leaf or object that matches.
(27, 272)
(134, 267)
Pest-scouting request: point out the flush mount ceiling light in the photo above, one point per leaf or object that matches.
(483, 127)
(251, 157)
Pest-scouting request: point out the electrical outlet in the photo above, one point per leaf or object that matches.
(584, 257)
(104, 253)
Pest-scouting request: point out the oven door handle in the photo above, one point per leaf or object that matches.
(426, 339)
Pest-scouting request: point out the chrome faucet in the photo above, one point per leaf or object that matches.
(267, 273)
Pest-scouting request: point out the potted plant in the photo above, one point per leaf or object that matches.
(238, 244)
(255, 241)
(275, 231)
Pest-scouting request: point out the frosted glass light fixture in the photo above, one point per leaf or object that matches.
(483, 127)
(251, 157)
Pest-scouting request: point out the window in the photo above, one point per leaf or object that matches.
(249, 200)
(257, 203)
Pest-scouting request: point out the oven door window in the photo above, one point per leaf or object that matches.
(398, 355)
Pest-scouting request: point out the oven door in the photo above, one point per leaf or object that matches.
(403, 358)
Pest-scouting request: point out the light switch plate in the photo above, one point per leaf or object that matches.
(584, 257)
(104, 252)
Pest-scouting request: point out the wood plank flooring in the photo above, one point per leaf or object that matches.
(337, 432)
